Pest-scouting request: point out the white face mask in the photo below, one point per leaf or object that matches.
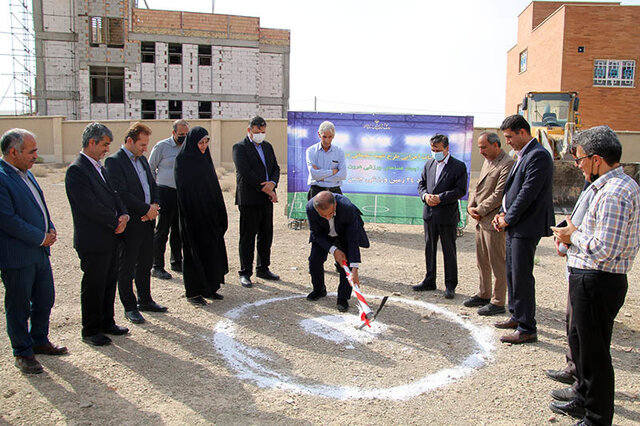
(259, 137)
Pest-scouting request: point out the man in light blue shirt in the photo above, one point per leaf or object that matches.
(326, 163)
(161, 161)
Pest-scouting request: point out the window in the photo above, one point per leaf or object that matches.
(175, 53)
(204, 54)
(148, 109)
(614, 73)
(148, 52)
(109, 31)
(175, 110)
(523, 60)
(204, 109)
(107, 85)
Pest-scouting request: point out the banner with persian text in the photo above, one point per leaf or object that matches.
(384, 154)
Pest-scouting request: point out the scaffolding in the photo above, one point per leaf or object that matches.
(21, 87)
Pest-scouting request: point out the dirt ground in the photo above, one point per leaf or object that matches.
(258, 356)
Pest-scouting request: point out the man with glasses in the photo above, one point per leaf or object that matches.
(601, 252)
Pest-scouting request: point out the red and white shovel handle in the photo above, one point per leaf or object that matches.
(365, 311)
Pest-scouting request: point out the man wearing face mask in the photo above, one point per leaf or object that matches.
(257, 174)
(443, 183)
(161, 161)
(601, 252)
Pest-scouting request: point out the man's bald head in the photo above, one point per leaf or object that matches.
(325, 204)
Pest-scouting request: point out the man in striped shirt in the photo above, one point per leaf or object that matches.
(602, 251)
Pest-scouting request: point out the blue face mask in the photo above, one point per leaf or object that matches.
(438, 156)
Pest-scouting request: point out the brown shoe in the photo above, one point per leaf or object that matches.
(518, 337)
(50, 349)
(510, 323)
(28, 364)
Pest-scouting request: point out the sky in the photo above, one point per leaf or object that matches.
(401, 56)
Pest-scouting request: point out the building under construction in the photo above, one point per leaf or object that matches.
(109, 59)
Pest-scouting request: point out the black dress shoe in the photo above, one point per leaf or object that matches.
(197, 301)
(28, 364)
(565, 394)
(562, 376)
(214, 296)
(571, 408)
(316, 294)
(491, 309)
(424, 287)
(245, 281)
(160, 273)
(449, 294)
(50, 349)
(151, 307)
(475, 301)
(267, 275)
(115, 330)
(134, 316)
(342, 305)
(97, 340)
(176, 267)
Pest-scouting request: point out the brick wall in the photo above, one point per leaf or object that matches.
(544, 60)
(606, 31)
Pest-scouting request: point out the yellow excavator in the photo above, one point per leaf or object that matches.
(554, 119)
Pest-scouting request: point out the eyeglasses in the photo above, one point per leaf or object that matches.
(579, 159)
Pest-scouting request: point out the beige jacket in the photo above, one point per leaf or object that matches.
(487, 195)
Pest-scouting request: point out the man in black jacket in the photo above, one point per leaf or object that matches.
(99, 217)
(257, 175)
(337, 228)
(443, 183)
(132, 179)
(526, 216)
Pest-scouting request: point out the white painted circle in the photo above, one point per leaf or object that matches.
(374, 209)
(249, 363)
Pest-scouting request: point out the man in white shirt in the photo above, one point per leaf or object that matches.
(325, 162)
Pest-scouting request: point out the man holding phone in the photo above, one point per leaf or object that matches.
(326, 164)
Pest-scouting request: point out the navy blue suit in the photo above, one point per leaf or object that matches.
(351, 236)
(440, 221)
(528, 200)
(24, 263)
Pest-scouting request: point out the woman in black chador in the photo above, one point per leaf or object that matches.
(203, 219)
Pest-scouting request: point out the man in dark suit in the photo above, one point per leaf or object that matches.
(257, 175)
(99, 217)
(526, 215)
(26, 233)
(443, 183)
(337, 228)
(131, 177)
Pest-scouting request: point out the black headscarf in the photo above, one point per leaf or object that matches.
(203, 215)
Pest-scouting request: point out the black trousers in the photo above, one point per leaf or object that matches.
(316, 268)
(315, 189)
(136, 258)
(98, 290)
(255, 221)
(447, 236)
(521, 283)
(167, 221)
(596, 298)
